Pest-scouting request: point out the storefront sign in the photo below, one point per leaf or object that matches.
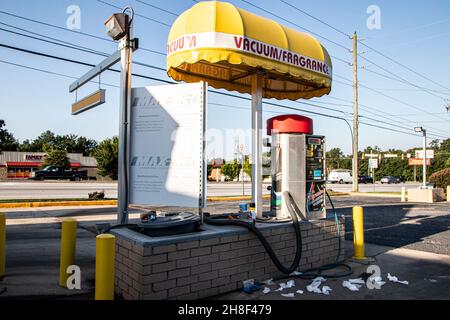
(418, 162)
(167, 162)
(244, 44)
(33, 157)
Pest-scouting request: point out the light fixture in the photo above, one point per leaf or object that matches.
(117, 25)
(418, 129)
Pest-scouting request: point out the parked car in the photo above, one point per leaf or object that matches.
(59, 173)
(365, 179)
(340, 176)
(390, 179)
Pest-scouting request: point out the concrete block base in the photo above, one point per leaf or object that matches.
(426, 195)
(217, 259)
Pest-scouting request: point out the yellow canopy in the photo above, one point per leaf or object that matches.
(225, 45)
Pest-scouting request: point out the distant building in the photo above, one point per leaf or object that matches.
(216, 172)
(19, 165)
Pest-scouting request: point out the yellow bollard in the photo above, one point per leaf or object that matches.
(68, 248)
(403, 197)
(448, 193)
(104, 267)
(2, 245)
(358, 233)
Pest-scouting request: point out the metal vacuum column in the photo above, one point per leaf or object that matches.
(298, 166)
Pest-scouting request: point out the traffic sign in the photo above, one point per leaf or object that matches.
(373, 163)
(93, 100)
(430, 154)
(241, 148)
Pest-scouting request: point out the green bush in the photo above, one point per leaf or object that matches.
(441, 178)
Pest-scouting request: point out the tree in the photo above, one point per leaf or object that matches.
(107, 156)
(7, 140)
(57, 157)
(45, 142)
(231, 169)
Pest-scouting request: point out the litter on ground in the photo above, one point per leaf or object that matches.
(266, 290)
(351, 286)
(315, 284)
(395, 279)
(288, 295)
(326, 290)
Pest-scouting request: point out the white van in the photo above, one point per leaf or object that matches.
(340, 176)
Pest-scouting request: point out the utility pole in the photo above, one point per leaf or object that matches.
(355, 113)
(424, 186)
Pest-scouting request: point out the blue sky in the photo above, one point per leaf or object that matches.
(411, 33)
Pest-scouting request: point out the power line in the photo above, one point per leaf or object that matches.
(315, 18)
(136, 14)
(404, 66)
(213, 91)
(72, 31)
(161, 69)
(71, 45)
(53, 73)
(157, 8)
(295, 24)
(401, 79)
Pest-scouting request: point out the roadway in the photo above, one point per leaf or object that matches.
(70, 190)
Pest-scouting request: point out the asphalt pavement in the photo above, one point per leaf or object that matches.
(80, 190)
(406, 240)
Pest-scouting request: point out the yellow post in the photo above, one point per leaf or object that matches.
(403, 198)
(104, 267)
(68, 248)
(358, 233)
(448, 193)
(2, 245)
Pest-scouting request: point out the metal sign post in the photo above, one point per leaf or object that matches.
(124, 130)
(257, 80)
(120, 27)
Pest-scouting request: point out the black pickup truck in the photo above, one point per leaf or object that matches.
(58, 173)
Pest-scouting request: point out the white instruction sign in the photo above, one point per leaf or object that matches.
(167, 164)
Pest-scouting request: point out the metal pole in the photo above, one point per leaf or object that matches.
(257, 143)
(124, 129)
(243, 174)
(355, 113)
(424, 159)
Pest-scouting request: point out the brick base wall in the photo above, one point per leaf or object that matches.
(215, 261)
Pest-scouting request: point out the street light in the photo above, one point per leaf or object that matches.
(117, 26)
(424, 132)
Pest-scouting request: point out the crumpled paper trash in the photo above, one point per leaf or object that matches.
(315, 284)
(296, 273)
(377, 281)
(357, 281)
(351, 286)
(266, 290)
(326, 290)
(395, 279)
(287, 285)
(268, 282)
(288, 295)
(299, 291)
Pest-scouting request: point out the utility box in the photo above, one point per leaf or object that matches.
(298, 167)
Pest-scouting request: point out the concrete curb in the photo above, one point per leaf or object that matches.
(40, 204)
(371, 194)
(13, 205)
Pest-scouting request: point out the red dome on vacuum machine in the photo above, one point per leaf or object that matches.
(290, 123)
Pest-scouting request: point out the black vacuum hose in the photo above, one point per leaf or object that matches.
(264, 242)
